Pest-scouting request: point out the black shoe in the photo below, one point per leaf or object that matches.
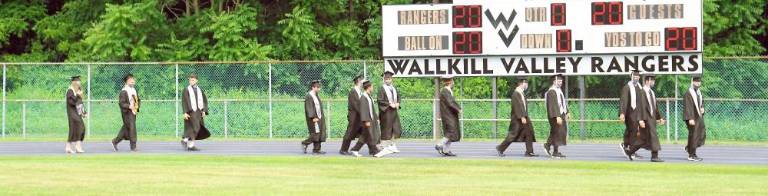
(558, 155)
(439, 149)
(547, 150)
(318, 152)
(450, 154)
(193, 148)
(499, 152)
(183, 144)
(530, 154)
(304, 148)
(656, 159)
(624, 150)
(114, 146)
(628, 155)
(345, 153)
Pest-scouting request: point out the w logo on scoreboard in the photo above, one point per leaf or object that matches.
(507, 21)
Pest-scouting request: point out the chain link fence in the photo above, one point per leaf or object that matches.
(265, 99)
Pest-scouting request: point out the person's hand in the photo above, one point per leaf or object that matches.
(461, 111)
(204, 114)
(524, 121)
(568, 115)
(367, 124)
(691, 122)
(662, 121)
(134, 112)
(642, 124)
(559, 121)
(186, 116)
(85, 115)
(80, 93)
(397, 105)
(392, 105)
(621, 117)
(315, 119)
(702, 110)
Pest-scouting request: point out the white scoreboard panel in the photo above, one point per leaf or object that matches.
(542, 37)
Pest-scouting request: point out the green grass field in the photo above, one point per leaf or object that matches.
(135, 174)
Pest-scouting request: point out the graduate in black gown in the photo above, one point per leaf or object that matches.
(315, 117)
(693, 114)
(129, 103)
(195, 105)
(75, 114)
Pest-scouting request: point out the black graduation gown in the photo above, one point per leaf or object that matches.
(76, 124)
(631, 116)
(649, 138)
(309, 114)
(449, 114)
(128, 131)
(558, 134)
(390, 118)
(194, 127)
(372, 134)
(353, 115)
(697, 134)
(517, 130)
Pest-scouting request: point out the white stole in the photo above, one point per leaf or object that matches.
(317, 104)
(370, 105)
(525, 105)
(650, 95)
(131, 94)
(391, 96)
(193, 101)
(632, 94)
(696, 95)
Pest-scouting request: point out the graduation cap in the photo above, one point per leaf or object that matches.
(192, 75)
(366, 84)
(696, 78)
(446, 78)
(357, 78)
(388, 74)
(126, 77)
(556, 76)
(649, 76)
(75, 78)
(314, 82)
(521, 79)
(635, 72)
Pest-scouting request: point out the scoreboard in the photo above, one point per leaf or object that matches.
(543, 37)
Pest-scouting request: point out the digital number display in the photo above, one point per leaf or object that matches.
(608, 13)
(467, 16)
(470, 42)
(563, 38)
(558, 14)
(676, 39)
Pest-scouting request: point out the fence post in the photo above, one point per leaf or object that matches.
(88, 120)
(667, 117)
(435, 130)
(495, 96)
(582, 108)
(226, 115)
(176, 101)
(24, 119)
(676, 106)
(270, 100)
(4, 84)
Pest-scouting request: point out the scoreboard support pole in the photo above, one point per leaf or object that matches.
(582, 95)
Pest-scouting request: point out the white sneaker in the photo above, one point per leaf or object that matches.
(356, 153)
(393, 148)
(383, 152)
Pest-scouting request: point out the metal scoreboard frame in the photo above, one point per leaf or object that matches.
(574, 37)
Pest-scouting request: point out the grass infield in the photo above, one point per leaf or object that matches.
(140, 174)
